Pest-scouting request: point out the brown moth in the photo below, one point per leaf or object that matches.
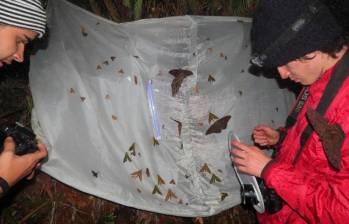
(179, 126)
(215, 179)
(211, 117)
(127, 158)
(156, 190)
(218, 125)
(223, 196)
(83, 31)
(137, 175)
(211, 79)
(170, 195)
(132, 149)
(147, 172)
(155, 142)
(180, 75)
(205, 168)
(94, 173)
(160, 180)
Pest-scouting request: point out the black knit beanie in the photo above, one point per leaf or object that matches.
(284, 30)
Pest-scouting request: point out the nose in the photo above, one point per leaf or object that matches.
(19, 54)
(284, 72)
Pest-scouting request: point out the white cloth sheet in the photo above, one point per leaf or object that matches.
(90, 104)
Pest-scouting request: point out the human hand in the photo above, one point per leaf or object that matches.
(13, 167)
(249, 159)
(264, 135)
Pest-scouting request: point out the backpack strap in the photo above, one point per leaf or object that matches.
(340, 73)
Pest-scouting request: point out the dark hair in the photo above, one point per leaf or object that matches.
(334, 47)
(340, 10)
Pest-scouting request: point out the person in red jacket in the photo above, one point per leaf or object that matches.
(21, 21)
(302, 39)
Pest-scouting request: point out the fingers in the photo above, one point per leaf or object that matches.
(261, 127)
(242, 169)
(262, 143)
(9, 145)
(261, 140)
(249, 159)
(41, 152)
(237, 156)
(239, 145)
(259, 135)
(31, 175)
(33, 170)
(238, 162)
(238, 152)
(264, 135)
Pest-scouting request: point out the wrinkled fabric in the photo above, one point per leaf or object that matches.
(331, 136)
(91, 103)
(312, 190)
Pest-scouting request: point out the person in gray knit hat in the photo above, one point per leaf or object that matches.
(310, 169)
(21, 21)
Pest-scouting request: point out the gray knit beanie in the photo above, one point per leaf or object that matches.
(28, 14)
(284, 30)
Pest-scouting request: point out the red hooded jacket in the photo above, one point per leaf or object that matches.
(313, 192)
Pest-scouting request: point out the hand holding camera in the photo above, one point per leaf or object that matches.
(23, 137)
(251, 161)
(19, 156)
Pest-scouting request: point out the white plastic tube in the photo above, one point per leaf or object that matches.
(153, 112)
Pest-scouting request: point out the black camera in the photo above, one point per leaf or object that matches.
(272, 202)
(24, 138)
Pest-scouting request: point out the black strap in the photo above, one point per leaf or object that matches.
(292, 118)
(340, 73)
